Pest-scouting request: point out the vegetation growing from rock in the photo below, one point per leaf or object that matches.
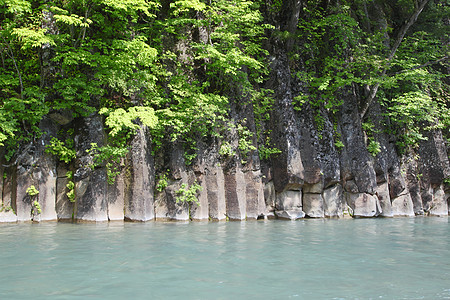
(188, 194)
(202, 74)
(170, 65)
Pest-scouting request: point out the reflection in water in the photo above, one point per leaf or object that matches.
(342, 259)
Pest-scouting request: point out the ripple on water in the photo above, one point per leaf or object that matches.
(404, 258)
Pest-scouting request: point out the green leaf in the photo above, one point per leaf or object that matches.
(33, 38)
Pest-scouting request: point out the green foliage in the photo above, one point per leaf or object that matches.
(339, 145)
(71, 194)
(229, 24)
(189, 157)
(123, 123)
(162, 182)
(299, 101)
(6, 208)
(70, 186)
(267, 152)
(319, 120)
(415, 94)
(32, 38)
(263, 102)
(374, 148)
(63, 150)
(32, 191)
(8, 125)
(175, 67)
(189, 194)
(226, 150)
(107, 56)
(337, 138)
(368, 127)
(342, 47)
(36, 209)
(447, 181)
(110, 156)
(245, 144)
(409, 112)
(189, 115)
(327, 40)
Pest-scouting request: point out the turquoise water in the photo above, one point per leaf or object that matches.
(403, 258)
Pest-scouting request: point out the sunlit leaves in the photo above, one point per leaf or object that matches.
(73, 20)
(121, 120)
(8, 125)
(232, 31)
(136, 50)
(182, 6)
(132, 6)
(32, 38)
(16, 6)
(412, 106)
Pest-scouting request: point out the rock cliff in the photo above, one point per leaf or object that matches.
(309, 178)
(312, 176)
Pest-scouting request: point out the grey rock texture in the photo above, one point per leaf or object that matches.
(324, 168)
(139, 186)
(333, 202)
(115, 197)
(90, 182)
(310, 178)
(64, 207)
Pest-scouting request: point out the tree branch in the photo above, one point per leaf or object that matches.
(428, 63)
(398, 41)
(11, 54)
(82, 33)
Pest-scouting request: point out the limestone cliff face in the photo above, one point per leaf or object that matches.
(311, 177)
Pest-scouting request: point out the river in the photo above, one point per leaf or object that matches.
(400, 258)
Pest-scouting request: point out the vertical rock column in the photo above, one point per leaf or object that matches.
(166, 205)
(288, 170)
(90, 183)
(434, 168)
(334, 203)
(47, 177)
(116, 195)
(357, 170)
(384, 198)
(199, 175)
(320, 160)
(392, 188)
(313, 204)
(244, 190)
(401, 202)
(254, 194)
(8, 204)
(201, 211)
(64, 207)
(413, 182)
(139, 203)
(24, 180)
(38, 169)
(215, 187)
(235, 194)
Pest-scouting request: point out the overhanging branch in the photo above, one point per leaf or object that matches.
(398, 41)
(428, 63)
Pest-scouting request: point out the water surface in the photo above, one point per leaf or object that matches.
(402, 258)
